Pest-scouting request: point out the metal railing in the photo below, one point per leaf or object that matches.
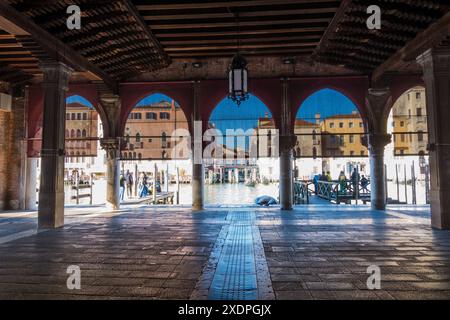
(343, 191)
(302, 192)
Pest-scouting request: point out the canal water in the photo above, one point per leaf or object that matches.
(238, 194)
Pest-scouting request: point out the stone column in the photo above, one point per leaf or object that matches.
(436, 69)
(31, 180)
(112, 148)
(378, 104)
(286, 172)
(198, 180)
(198, 170)
(287, 142)
(51, 191)
(377, 143)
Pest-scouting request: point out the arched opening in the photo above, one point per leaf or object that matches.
(241, 162)
(152, 149)
(330, 131)
(84, 164)
(407, 161)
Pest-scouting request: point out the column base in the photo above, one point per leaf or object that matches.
(51, 211)
(378, 206)
(197, 208)
(112, 206)
(440, 209)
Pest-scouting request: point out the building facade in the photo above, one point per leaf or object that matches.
(150, 130)
(81, 132)
(409, 123)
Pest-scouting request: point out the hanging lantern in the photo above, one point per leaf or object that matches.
(238, 79)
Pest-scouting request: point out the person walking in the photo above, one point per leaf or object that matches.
(364, 184)
(342, 182)
(130, 181)
(143, 186)
(122, 187)
(355, 181)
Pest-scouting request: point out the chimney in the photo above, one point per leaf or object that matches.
(173, 105)
(317, 118)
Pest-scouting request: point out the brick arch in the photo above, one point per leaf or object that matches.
(401, 84)
(132, 94)
(35, 109)
(398, 85)
(354, 88)
(266, 90)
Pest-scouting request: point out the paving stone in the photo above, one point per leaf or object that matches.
(149, 253)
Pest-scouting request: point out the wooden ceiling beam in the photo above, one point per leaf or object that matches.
(56, 49)
(225, 4)
(142, 24)
(209, 25)
(429, 38)
(332, 26)
(270, 31)
(242, 46)
(249, 14)
(278, 52)
(304, 38)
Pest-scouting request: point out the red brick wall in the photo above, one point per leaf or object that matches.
(12, 134)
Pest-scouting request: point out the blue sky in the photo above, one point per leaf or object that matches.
(228, 115)
(327, 103)
(155, 98)
(80, 100)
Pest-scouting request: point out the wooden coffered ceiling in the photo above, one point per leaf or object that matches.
(121, 39)
(350, 43)
(193, 29)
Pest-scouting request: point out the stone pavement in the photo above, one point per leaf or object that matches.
(314, 252)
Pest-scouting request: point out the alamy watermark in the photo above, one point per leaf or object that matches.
(74, 279)
(374, 280)
(374, 21)
(236, 144)
(73, 22)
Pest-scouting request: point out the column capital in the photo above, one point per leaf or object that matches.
(377, 142)
(378, 103)
(435, 60)
(379, 92)
(56, 72)
(109, 98)
(110, 144)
